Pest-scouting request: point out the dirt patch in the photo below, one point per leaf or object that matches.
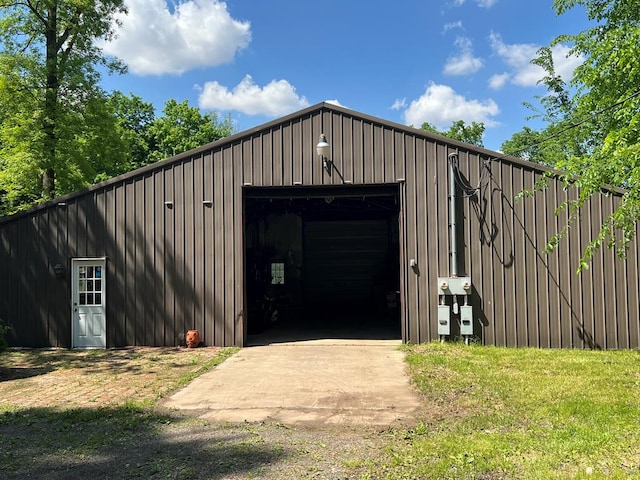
(94, 414)
(92, 378)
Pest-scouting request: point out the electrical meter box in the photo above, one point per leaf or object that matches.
(444, 320)
(466, 320)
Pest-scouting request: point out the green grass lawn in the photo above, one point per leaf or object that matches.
(493, 413)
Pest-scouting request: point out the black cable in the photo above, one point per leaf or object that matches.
(469, 190)
(574, 125)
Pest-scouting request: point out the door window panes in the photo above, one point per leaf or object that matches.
(277, 273)
(89, 285)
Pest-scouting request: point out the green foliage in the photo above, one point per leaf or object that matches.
(593, 134)
(528, 144)
(134, 116)
(427, 127)
(112, 135)
(471, 134)
(466, 133)
(148, 139)
(54, 135)
(183, 127)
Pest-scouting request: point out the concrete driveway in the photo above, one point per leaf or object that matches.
(317, 382)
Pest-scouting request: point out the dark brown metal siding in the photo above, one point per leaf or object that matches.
(162, 277)
(173, 269)
(530, 298)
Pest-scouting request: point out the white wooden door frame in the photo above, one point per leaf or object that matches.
(88, 303)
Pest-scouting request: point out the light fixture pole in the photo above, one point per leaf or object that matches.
(323, 149)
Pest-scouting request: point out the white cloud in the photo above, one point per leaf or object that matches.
(564, 63)
(480, 3)
(519, 56)
(334, 102)
(399, 104)
(154, 41)
(496, 82)
(464, 63)
(276, 98)
(451, 26)
(440, 105)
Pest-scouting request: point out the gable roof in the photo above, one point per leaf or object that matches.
(319, 107)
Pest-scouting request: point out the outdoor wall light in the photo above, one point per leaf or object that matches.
(168, 204)
(58, 269)
(323, 148)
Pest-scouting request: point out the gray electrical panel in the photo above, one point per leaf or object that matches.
(454, 285)
(459, 288)
(466, 320)
(444, 320)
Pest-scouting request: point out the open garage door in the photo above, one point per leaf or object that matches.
(323, 260)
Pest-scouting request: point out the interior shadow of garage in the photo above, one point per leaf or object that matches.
(322, 264)
(326, 331)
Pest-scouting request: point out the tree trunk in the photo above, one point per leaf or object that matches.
(50, 114)
(48, 183)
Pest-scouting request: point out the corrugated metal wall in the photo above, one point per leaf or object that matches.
(172, 269)
(161, 276)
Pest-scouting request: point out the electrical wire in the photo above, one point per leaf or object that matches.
(469, 190)
(575, 124)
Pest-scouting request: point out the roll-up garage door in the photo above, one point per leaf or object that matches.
(344, 264)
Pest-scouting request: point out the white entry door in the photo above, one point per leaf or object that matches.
(88, 302)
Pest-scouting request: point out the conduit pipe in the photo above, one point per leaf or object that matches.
(454, 285)
(453, 249)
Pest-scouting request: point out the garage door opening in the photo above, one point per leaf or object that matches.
(322, 263)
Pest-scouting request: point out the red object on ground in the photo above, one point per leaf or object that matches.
(193, 338)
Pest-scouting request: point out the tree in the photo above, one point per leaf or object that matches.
(48, 65)
(134, 118)
(460, 131)
(528, 144)
(113, 135)
(148, 138)
(594, 121)
(183, 127)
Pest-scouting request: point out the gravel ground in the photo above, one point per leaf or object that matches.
(185, 449)
(67, 414)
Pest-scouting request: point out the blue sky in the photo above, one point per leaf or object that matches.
(406, 61)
